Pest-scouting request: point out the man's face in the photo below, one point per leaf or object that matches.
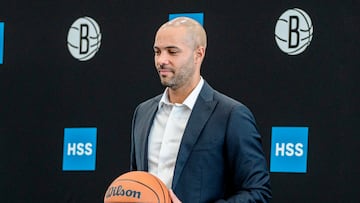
(174, 56)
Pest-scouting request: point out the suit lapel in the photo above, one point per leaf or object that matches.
(145, 125)
(201, 112)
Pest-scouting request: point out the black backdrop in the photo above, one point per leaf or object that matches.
(44, 90)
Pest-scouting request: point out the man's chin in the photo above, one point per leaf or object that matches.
(166, 83)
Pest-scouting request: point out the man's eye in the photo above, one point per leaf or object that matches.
(156, 52)
(173, 52)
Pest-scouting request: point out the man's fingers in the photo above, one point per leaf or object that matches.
(173, 197)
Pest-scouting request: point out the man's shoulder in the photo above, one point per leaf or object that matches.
(150, 102)
(229, 104)
(224, 100)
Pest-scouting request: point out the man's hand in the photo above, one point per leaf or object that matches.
(173, 197)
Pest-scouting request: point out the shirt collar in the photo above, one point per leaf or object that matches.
(189, 101)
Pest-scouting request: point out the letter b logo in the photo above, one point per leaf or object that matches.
(293, 31)
(84, 38)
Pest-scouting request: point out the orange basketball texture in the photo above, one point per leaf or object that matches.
(139, 187)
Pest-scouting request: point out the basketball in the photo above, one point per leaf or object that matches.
(137, 186)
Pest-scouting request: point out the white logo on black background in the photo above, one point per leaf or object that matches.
(293, 31)
(84, 38)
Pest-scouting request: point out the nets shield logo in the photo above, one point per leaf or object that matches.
(84, 38)
(289, 149)
(293, 31)
(79, 149)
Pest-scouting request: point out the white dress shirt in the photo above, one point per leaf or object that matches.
(166, 134)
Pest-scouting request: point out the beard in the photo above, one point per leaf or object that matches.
(178, 79)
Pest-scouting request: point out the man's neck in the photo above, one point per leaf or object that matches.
(180, 94)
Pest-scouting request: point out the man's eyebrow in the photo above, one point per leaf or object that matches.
(171, 47)
(167, 47)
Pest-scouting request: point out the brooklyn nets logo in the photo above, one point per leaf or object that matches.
(84, 38)
(293, 31)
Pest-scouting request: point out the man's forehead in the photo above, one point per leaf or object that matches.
(171, 38)
(174, 31)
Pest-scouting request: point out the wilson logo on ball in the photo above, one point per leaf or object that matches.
(293, 31)
(120, 191)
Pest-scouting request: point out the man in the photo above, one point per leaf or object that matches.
(202, 144)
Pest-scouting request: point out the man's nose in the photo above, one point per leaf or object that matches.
(162, 59)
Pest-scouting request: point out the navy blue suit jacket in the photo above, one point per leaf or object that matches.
(220, 157)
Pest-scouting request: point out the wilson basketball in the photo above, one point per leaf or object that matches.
(137, 186)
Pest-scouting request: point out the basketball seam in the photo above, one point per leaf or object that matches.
(163, 192)
(157, 196)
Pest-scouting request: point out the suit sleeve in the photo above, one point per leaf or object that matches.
(249, 179)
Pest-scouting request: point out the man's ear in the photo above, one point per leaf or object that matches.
(199, 54)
